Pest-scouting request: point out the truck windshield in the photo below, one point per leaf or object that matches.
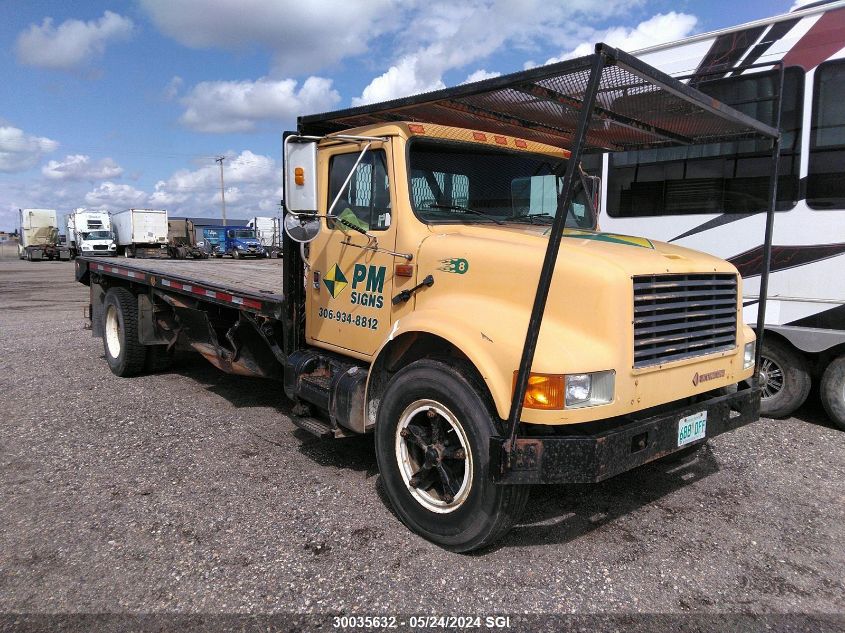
(100, 235)
(244, 233)
(452, 183)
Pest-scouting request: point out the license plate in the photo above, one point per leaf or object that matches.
(692, 428)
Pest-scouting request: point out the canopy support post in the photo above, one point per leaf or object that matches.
(547, 270)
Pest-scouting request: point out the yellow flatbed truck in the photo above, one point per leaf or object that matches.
(423, 297)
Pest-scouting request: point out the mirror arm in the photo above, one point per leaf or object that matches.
(372, 245)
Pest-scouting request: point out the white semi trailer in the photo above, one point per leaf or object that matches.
(89, 232)
(39, 236)
(267, 230)
(141, 232)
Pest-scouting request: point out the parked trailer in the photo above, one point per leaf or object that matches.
(141, 232)
(268, 231)
(404, 312)
(181, 241)
(713, 199)
(89, 232)
(39, 235)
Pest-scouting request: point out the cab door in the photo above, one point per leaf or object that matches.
(349, 282)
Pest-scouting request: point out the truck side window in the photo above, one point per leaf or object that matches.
(367, 196)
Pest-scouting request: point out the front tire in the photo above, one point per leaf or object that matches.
(784, 378)
(833, 391)
(125, 355)
(432, 445)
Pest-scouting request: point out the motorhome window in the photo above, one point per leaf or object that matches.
(471, 183)
(718, 177)
(825, 182)
(367, 196)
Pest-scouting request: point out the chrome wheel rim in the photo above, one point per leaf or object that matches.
(771, 377)
(112, 332)
(434, 458)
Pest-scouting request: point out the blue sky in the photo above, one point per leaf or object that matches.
(125, 104)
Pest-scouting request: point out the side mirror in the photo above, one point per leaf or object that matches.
(594, 190)
(230, 234)
(301, 227)
(300, 182)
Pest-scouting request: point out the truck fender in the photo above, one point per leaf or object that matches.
(460, 334)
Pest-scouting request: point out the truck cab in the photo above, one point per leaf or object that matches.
(239, 241)
(97, 242)
(629, 324)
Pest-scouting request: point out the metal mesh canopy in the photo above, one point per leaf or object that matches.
(636, 107)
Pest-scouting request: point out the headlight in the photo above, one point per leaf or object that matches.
(588, 390)
(571, 391)
(112, 245)
(748, 355)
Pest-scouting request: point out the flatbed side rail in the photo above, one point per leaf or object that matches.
(270, 306)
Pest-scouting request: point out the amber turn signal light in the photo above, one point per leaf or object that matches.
(544, 391)
(299, 176)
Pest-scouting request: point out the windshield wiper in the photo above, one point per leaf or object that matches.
(458, 207)
(530, 217)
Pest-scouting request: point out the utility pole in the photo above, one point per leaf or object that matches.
(220, 160)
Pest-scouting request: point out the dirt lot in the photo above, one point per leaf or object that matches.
(192, 492)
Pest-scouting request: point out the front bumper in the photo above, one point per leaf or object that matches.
(627, 444)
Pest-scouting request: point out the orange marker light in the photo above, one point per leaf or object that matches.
(416, 128)
(299, 176)
(479, 136)
(545, 391)
(520, 143)
(404, 270)
(501, 140)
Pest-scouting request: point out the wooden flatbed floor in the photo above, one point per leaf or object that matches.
(260, 279)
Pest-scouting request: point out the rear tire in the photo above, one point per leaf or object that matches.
(432, 441)
(784, 377)
(833, 391)
(125, 355)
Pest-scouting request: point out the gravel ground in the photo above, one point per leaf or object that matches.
(192, 492)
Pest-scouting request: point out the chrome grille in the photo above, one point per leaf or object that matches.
(682, 316)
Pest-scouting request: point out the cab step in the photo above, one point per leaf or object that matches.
(319, 428)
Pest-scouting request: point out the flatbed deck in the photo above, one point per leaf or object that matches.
(255, 284)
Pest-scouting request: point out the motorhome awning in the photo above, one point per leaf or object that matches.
(636, 107)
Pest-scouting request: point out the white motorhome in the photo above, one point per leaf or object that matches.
(712, 197)
(89, 232)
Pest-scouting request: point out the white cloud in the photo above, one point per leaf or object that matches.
(20, 151)
(72, 43)
(112, 196)
(252, 184)
(237, 106)
(303, 36)
(448, 36)
(407, 77)
(80, 167)
(480, 75)
(663, 27)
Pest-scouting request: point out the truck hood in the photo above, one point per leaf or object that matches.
(524, 247)
(486, 277)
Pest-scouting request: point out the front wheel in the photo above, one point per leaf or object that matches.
(433, 450)
(236, 255)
